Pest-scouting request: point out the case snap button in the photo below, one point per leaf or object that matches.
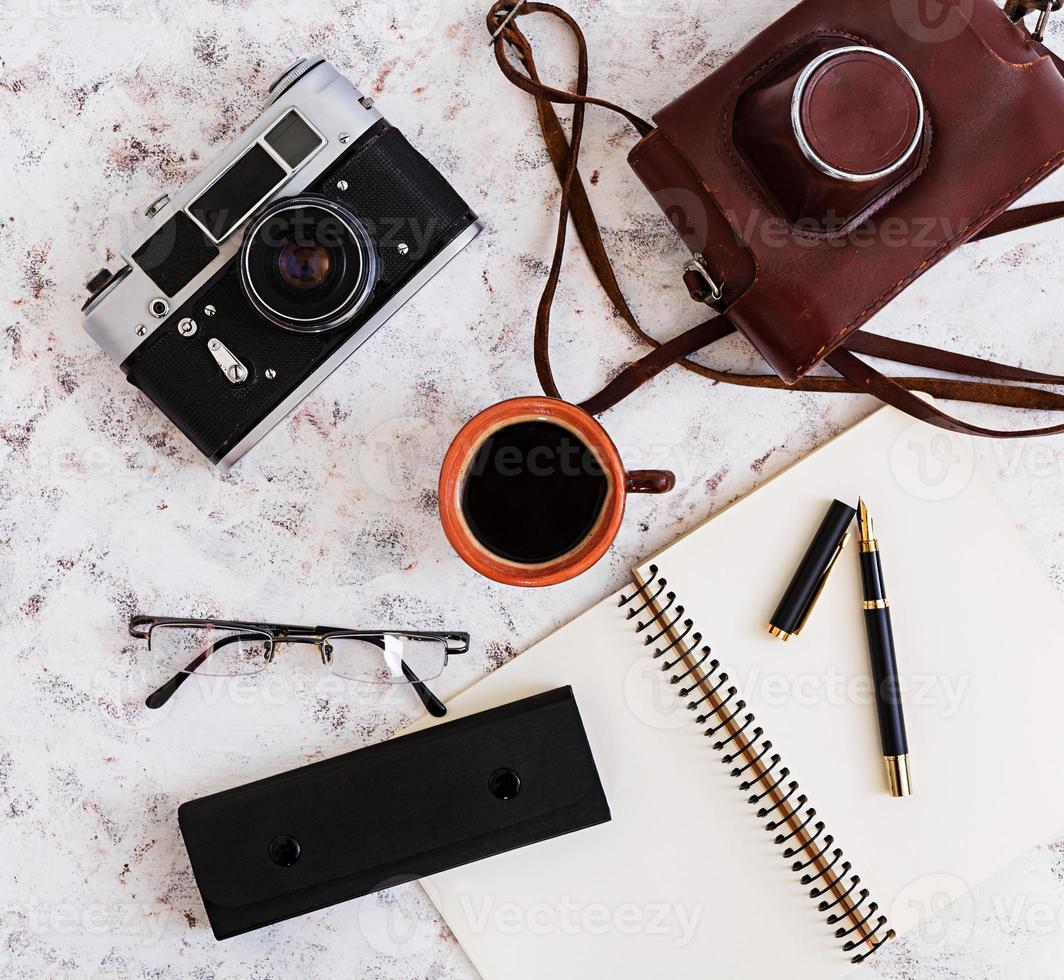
(504, 784)
(284, 850)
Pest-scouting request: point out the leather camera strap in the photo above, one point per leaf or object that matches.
(855, 375)
(1018, 218)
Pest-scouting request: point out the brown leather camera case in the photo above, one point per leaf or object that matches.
(845, 150)
(993, 127)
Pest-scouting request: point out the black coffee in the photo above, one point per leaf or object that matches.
(533, 492)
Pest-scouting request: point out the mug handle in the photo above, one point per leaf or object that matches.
(650, 481)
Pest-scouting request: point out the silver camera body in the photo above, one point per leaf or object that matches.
(227, 332)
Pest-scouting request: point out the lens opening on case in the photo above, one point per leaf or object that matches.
(805, 141)
(308, 264)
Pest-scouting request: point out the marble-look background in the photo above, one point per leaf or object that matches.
(105, 510)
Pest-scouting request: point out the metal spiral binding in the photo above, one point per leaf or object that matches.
(760, 771)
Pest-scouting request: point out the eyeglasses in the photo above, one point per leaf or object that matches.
(225, 648)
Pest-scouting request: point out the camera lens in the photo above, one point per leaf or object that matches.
(308, 264)
(303, 266)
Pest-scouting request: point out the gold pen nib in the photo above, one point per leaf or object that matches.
(864, 521)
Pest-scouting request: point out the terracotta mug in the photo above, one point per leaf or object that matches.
(532, 491)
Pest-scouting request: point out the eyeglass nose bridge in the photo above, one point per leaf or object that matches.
(314, 639)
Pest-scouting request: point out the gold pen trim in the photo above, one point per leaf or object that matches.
(823, 582)
(875, 604)
(784, 635)
(899, 778)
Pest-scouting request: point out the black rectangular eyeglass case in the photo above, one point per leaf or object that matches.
(393, 812)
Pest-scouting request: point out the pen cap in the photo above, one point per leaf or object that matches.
(798, 601)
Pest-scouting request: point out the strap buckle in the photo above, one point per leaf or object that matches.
(696, 265)
(1018, 9)
(506, 20)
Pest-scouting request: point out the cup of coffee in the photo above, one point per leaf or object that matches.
(532, 491)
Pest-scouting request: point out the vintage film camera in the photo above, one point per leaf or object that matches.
(248, 288)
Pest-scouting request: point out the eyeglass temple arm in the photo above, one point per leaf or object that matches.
(456, 643)
(164, 692)
(433, 704)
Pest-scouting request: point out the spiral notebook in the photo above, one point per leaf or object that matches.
(760, 840)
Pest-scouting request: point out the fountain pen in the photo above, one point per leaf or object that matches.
(884, 666)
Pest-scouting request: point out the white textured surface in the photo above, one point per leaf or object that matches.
(106, 511)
